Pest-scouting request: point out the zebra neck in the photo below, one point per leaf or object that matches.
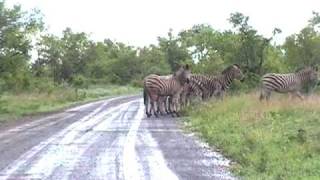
(303, 76)
(179, 80)
(226, 81)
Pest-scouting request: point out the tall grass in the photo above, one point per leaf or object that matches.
(275, 140)
(15, 105)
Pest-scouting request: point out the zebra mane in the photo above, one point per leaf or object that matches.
(307, 68)
(229, 68)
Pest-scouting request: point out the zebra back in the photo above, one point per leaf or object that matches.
(167, 85)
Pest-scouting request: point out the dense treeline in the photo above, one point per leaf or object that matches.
(75, 60)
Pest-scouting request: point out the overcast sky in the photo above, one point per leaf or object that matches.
(140, 22)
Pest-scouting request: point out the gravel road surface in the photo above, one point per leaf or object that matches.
(108, 139)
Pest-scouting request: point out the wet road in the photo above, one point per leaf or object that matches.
(109, 139)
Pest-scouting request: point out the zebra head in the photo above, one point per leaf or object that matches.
(234, 72)
(313, 74)
(183, 74)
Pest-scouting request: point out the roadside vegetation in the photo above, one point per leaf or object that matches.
(270, 141)
(15, 105)
(275, 140)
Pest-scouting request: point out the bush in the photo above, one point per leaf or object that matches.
(16, 82)
(137, 83)
(79, 81)
(251, 82)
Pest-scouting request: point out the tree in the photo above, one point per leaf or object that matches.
(153, 61)
(63, 57)
(251, 52)
(302, 49)
(176, 54)
(210, 49)
(50, 54)
(16, 30)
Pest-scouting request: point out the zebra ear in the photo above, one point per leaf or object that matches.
(237, 65)
(187, 67)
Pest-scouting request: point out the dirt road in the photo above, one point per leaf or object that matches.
(109, 139)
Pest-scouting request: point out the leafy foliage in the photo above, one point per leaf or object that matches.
(16, 30)
(62, 59)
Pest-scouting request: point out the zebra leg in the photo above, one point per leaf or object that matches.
(264, 94)
(167, 104)
(297, 93)
(182, 98)
(147, 104)
(153, 104)
(221, 95)
(205, 95)
(161, 105)
(148, 110)
(188, 99)
(171, 106)
(175, 100)
(154, 98)
(218, 94)
(151, 108)
(261, 97)
(157, 108)
(291, 96)
(268, 94)
(177, 107)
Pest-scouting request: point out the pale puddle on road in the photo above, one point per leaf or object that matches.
(65, 149)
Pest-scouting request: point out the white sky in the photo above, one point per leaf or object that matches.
(140, 22)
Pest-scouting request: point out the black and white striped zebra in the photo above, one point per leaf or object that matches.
(156, 87)
(217, 85)
(291, 83)
(192, 89)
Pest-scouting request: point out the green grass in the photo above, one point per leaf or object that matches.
(13, 106)
(275, 140)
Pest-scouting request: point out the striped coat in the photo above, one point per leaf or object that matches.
(156, 86)
(288, 83)
(194, 89)
(217, 85)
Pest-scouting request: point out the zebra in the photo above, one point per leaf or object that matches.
(217, 85)
(156, 87)
(291, 83)
(162, 102)
(163, 105)
(190, 90)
